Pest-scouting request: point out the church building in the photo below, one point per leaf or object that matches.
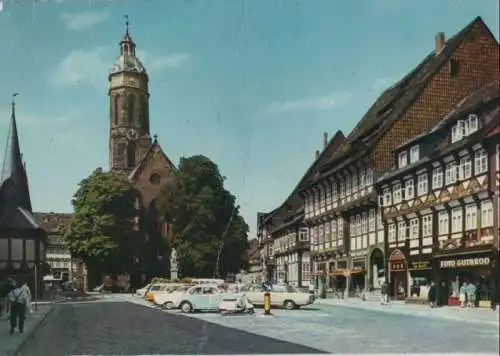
(132, 150)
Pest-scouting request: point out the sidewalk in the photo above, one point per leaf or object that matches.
(476, 315)
(10, 344)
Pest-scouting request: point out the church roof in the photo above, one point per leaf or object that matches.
(15, 201)
(142, 164)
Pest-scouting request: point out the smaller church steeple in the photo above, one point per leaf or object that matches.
(14, 184)
(127, 45)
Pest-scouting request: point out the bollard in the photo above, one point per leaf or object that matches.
(267, 303)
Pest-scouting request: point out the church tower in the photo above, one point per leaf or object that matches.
(129, 136)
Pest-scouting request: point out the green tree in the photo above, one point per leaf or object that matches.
(206, 227)
(102, 230)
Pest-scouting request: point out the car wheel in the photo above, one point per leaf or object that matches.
(289, 305)
(168, 305)
(186, 307)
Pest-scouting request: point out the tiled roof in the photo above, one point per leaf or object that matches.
(53, 222)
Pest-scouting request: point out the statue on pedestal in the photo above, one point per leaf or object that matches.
(173, 265)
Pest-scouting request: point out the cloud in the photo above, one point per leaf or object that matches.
(92, 67)
(325, 102)
(154, 64)
(78, 21)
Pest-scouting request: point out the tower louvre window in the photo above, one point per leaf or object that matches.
(131, 154)
(131, 110)
(116, 108)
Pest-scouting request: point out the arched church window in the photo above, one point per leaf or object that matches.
(131, 154)
(116, 108)
(131, 110)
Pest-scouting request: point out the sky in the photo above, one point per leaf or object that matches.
(253, 85)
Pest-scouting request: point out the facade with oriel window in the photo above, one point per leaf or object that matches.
(439, 203)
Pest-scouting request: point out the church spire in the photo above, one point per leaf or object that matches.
(14, 168)
(127, 45)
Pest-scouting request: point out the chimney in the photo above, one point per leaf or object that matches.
(317, 154)
(440, 42)
(325, 140)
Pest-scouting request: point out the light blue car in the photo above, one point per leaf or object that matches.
(201, 298)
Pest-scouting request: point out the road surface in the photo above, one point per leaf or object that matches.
(121, 328)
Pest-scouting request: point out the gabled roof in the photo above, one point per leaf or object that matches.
(333, 145)
(53, 222)
(142, 164)
(393, 102)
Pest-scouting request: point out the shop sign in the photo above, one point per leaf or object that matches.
(419, 265)
(465, 262)
(397, 266)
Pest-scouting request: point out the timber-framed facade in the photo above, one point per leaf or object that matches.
(438, 205)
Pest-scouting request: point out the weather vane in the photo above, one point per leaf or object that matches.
(14, 97)
(126, 21)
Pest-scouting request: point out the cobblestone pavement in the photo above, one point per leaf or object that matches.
(120, 328)
(10, 343)
(352, 330)
(476, 315)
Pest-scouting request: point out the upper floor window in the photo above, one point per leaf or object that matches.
(352, 226)
(327, 231)
(333, 226)
(464, 128)
(342, 188)
(402, 159)
(481, 161)
(364, 223)
(456, 220)
(498, 157)
(471, 217)
(362, 178)
(371, 220)
(316, 200)
(465, 168)
(414, 228)
(443, 223)
(321, 233)
(451, 173)
(340, 228)
(347, 185)
(402, 231)
(397, 195)
(414, 154)
(409, 189)
(422, 184)
(328, 195)
(303, 234)
(386, 198)
(335, 195)
(486, 214)
(427, 226)
(437, 178)
(391, 233)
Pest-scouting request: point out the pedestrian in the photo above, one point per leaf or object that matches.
(17, 299)
(27, 291)
(431, 296)
(4, 291)
(471, 295)
(463, 295)
(383, 294)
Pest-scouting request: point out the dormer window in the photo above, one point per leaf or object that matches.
(402, 159)
(464, 128)
(414, 154)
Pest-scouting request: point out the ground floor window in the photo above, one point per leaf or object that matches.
(419, 283)
(481, 278)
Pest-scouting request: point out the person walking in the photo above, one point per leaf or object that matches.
(471, 295)
(4, 292)
(27, 292)
(383, 294)
(431, 296)
(463, 295)
(17, 299)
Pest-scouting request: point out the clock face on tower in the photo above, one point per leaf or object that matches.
(132, 134)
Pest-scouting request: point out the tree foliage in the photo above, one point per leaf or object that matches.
(206, 226)
(102, 231)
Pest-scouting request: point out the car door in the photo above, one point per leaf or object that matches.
(255, 294)
(278, 294)
(214, 298)
(196, 297)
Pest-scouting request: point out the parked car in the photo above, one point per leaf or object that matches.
(171, 299)
(202, 298)
(155, 288)
(282, 295)
(141, 292)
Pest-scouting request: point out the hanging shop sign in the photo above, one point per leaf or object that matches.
(419, 265)
(465, 262)
(397, 266)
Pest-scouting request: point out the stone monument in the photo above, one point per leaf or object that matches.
(173, 265)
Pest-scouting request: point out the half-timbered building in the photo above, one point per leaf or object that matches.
(342, 194)
(438, 204)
